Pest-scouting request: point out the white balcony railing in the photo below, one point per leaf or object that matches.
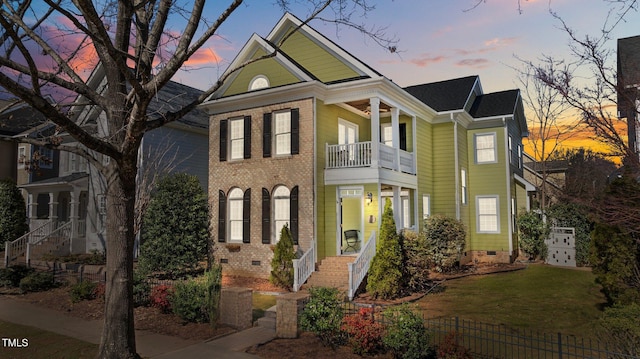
(359, 154)
(348, 155)
(359, 268)
(303, 267)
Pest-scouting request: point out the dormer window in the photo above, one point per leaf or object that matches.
(258, 82)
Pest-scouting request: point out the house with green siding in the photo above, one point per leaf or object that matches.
(315, 139)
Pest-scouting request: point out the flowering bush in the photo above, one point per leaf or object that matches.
(450, 349)
(160, 298)
(364, 334)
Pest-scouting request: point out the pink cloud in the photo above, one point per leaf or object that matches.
(477, 63)
(426, 60)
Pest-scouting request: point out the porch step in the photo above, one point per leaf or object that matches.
(332, 272)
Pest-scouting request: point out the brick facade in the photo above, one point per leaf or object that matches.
(254, 258)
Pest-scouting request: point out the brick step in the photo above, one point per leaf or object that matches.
(332, 272)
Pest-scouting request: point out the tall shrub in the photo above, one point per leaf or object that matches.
(615, 262)
(417, 258)
(282, 262)
(532, 232)
(13, 213)
(621, 329)
(386, 272)
(175, 228)
(575, 216)
(446, 238)
(198, 299)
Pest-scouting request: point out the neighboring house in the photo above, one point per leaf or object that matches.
(555, 172)
(628, 57)
(316, 139)
(15, 118)
(73, 191)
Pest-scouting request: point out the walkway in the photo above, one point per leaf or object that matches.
(149, 345)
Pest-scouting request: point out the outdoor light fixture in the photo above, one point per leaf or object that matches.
(369, 198)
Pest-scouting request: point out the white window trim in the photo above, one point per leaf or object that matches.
(48, 153)
(276, 197)
(240, 156)
(495, 147)
(22, 156)
(426, 206)
(497, 215)
(347, 125)
(258, 82)
(239, 200)
(276, 134)
(384, 140)
(464, 190)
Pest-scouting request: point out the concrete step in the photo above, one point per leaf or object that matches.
(269, 319)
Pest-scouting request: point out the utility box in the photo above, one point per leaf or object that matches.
(562, 246)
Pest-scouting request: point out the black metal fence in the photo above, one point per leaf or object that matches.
(498, 341)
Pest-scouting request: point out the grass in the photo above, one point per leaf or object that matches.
(262, 302)
(540, 298)
(43, 344)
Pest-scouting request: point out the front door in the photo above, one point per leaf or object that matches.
(350, 220)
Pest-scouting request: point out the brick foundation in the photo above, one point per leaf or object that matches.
(486, 257)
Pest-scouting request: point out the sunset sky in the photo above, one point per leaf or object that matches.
(438, 39)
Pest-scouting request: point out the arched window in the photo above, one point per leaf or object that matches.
(281, 209)
(258, 82)
(235, 215)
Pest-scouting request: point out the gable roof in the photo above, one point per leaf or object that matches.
(628, 65)
(19, 117)
(501, 103)
(445, 95)
(172, 97)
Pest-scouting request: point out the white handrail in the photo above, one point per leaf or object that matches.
(19, 246)
(359, 268)
(348, 155)
(303, 267)
(59, 237)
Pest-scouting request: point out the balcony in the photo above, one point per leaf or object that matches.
(359, 154)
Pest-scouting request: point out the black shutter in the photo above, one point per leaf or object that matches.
(222, 216)
(247, 136)
(403, 136)
(293, 213)
(266, 135)
(295, 131)
(266, 216)
(246, 216)
(223, 140)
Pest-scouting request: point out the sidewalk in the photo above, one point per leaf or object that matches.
(149, 345)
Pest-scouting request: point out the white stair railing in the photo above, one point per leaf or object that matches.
(18, 247)
(58, 238)
(359, 268)
(303, 267)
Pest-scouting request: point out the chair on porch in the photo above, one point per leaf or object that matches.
(351, 239)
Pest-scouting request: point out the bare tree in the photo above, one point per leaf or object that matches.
(548, 126)
(588, 82)
(139, 55)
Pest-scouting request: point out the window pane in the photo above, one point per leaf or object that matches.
(485, 148)
(283, 122)
(281, 209)
(488, 214)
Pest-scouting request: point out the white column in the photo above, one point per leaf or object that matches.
(33, 208)
(397, 206)
(374, 103)
(53, 206)
(73, 217)
(395, 135)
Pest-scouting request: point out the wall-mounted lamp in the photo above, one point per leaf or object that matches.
(369, 198)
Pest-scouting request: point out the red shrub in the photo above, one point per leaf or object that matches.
(364, 334)
(450, 349)
(99, 291)
(159, 298)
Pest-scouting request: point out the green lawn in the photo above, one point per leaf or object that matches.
(540, 298)
(262, 302)
(43, 344)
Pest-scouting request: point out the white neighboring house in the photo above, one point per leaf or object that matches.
(74, 191)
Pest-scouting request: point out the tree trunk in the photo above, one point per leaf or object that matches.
(118, 335)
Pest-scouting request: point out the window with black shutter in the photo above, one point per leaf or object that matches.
(403, 136)
(294, 214)
(246, 216)
(222, 216)
(266, 216)
(266, 135)
(223, 140)
(295, 131)
(247, 137)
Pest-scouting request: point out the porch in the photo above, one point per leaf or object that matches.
(359, 154)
